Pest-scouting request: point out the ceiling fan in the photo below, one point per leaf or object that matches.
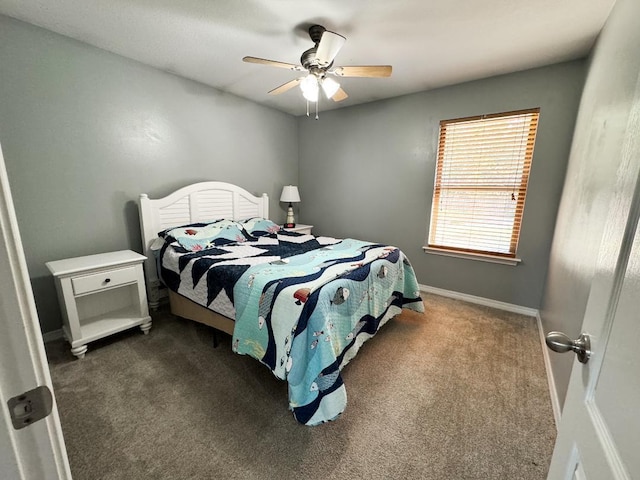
(318, 63)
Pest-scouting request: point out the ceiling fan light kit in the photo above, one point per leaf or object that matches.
(317, 62)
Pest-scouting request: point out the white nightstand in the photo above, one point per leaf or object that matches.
(300, 228)
(100, 295)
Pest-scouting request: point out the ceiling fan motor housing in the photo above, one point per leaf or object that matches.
(309, 61)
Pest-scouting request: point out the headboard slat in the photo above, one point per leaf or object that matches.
(213, 205)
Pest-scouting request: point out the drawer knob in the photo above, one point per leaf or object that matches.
(107, 280)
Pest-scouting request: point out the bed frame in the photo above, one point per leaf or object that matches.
(200, 202)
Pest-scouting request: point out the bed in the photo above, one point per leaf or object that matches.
(300, 304)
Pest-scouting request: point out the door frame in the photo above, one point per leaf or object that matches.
(37, 451)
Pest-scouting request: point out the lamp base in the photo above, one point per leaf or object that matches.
(290, 222)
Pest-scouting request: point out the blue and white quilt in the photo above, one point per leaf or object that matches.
(303, 305)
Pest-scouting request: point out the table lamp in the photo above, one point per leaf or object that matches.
(290, 194)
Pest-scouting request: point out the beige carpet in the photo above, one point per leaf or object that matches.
(457, 393)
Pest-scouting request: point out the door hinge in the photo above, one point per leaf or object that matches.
(31, 406)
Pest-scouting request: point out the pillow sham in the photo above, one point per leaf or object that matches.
(200, 236)
(258, 226)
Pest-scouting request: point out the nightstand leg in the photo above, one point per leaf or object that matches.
(79, 351)
(145, 327)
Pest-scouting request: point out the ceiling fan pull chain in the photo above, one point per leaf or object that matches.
(317, 108)
(307, 108)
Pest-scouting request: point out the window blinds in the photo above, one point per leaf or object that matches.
(481, 181)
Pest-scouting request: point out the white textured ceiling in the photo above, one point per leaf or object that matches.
(429, 43)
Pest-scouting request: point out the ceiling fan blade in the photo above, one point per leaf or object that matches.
(272, 63)
(329, 46)
(364, 71)
(285, 86)
(339, 95)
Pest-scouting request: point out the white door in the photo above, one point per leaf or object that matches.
(37, 451)
(599, 434)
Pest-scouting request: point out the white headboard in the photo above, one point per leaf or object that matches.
(200, 202)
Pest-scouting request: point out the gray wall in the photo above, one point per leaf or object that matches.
(591, 176)
(368, 172)
(84, 132)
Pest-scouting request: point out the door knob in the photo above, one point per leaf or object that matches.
(560, 342)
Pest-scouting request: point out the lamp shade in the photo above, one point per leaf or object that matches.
(290, 194)
(309, 87)
(330, 86)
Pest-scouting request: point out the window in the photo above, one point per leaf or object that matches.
(481, 181)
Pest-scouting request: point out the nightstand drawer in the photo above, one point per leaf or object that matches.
(98, 281)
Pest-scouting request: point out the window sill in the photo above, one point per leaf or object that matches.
(473, 256)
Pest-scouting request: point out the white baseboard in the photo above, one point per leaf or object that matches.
(487, 302)
(509, 307)
(51, 336)
(553, 392)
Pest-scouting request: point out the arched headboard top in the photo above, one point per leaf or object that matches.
(199, 202)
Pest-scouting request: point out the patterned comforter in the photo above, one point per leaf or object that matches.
(303, 305)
